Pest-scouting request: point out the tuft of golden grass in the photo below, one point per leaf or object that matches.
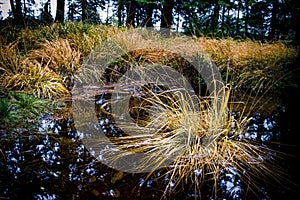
(60, 57)
(19, 73)
(204, 142)
(251, 63)
(33, 78)
(10, 58)
(86, 41)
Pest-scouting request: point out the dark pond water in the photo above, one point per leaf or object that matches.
(52, 163)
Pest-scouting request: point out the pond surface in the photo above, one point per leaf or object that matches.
(53, 163)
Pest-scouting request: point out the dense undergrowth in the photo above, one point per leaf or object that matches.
(44, 60)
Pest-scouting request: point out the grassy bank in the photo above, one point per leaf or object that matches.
(43, 61)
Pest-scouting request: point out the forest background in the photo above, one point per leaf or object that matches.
(255, 19)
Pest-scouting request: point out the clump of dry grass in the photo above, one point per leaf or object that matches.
(19, 73)
(203, 143)
(87, 41)
(60, 57)
(33, 78)
(251, 63)
(10, 58)
(257, 71)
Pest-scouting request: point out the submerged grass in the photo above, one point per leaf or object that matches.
(21, 111)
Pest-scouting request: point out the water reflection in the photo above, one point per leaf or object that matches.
(50, 162)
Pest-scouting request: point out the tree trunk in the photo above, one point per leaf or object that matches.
(24, 8)
(215, 16)
(246, 34)
(237, 25)
(84, 15)
(60, 11)
(296, 20)
(149, 12)
(46, 13)
(223, 18)
(16, 7)
(107, 13)
(119, 12)
(273, 24)
(71, 12)
(167, 16)
(131, 11)
(12, 6)
(19, 9)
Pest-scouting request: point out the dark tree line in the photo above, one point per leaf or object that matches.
(259, 19)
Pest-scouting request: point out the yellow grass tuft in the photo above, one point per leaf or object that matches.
(204, 143)
(251, 62)
(10, 58)
(60, 57)
(28, 75)
(32, 78)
